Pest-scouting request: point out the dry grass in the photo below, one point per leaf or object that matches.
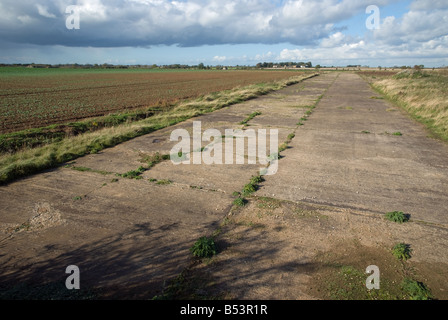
(423, 94)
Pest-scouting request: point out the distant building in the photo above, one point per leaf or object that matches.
(38, 66)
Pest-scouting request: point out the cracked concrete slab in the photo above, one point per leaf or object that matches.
(347, 155)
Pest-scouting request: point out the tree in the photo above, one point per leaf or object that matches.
(418, 67)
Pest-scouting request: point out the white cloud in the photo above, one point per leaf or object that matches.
(264, 57)
(334, 40)
(414, 26)
(429, 4)
(350, 52)
(219, 58)
(43, 11)
(25, 19)
(94, 10)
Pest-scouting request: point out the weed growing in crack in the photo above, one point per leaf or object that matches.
(154, 159)
(252, 186)
(256, 179)
(179, 157)
(274, 156)
(133, 174)
(283, 147)
(250, 117)
(85, 169)
(402, 251)
(240, 202)
(164, 182)
(397, 133)
(397, 216)
(249, 189)
(205, 247)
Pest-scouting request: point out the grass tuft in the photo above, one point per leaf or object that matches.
(240, 202)
(397, 216)
(250, 117)
(402, 251)
(249, 189)
(205, 247)
(256, 179)
(133, 174)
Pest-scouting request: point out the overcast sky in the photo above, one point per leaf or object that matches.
(235, 32)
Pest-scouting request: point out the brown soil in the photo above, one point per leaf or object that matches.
(56, 98)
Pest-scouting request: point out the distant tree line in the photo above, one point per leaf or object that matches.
(284, 64)
(200, 66)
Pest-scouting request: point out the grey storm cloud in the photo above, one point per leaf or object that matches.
(143, 23)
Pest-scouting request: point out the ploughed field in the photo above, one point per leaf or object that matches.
(31, 98)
